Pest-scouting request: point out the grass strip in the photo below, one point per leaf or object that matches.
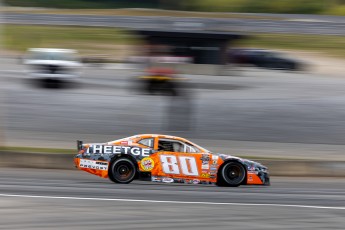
(111, 41)
(139, 12)
(328, 44)
(37, 150)
(85, 39)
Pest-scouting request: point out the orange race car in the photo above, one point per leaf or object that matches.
(167, 159)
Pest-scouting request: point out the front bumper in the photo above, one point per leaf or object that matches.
(258, 178)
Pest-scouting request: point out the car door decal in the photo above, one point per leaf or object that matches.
(181, 165)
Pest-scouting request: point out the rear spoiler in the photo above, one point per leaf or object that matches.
(79, 145)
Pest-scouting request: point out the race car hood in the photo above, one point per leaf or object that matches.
(249, 163)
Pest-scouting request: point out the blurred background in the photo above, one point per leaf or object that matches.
(97, 70)
(256, 79)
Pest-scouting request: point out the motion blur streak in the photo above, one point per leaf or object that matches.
(173, 202)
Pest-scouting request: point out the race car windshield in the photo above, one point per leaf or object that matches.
(199, 147)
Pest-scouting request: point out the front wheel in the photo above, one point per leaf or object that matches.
(232, 174)
(122, 171)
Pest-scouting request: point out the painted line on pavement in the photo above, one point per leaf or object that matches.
(173, 202)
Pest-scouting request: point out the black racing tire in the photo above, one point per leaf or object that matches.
(122, 171)
(231, 174)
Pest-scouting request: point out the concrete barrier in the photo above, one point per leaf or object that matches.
(305, 168)
(36, 160)
(277, 167)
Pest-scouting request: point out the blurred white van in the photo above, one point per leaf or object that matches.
(52, 64)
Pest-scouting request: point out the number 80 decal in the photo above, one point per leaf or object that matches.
(171, 163)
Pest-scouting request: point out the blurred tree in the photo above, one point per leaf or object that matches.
(262, 6)
(171, 4)
(250, 6)
(84, 3)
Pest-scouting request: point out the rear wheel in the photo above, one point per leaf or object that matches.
(232, 174)
(122, 171)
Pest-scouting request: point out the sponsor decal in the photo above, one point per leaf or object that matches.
(178, 180)
(250, 178)
(156, 179)
(215, 159)
(251, 168)
(205, 175)
(205, 166)
(188, 181)
(147, 164)
(195, 181)
(115, 149)
(100, 165)
(205, 157)
(167, 180)
(213, 168)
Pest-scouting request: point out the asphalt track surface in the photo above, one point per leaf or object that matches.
(296, 24)
(51, 199)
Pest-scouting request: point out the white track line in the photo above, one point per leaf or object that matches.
(172, 202)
